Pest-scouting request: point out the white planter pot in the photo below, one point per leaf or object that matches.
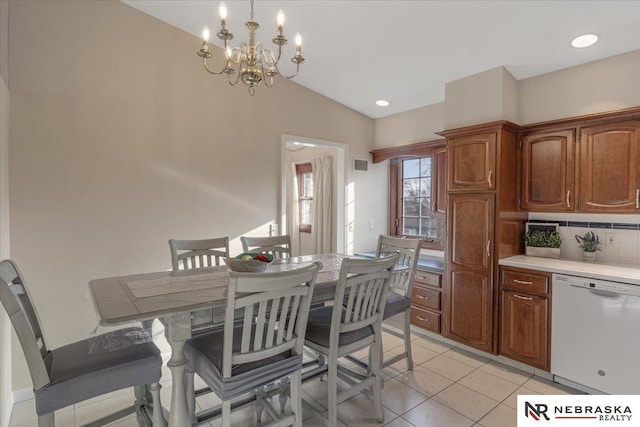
(588, 256)
(543, 252)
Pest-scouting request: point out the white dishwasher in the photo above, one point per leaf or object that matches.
(595, 333)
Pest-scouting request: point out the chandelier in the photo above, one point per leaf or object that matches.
(251, 62)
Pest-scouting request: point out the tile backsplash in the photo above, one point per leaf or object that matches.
(620, 235)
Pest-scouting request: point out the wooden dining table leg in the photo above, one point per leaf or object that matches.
(178, 331)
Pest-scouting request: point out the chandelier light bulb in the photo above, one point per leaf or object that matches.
(222, 10)
(280, 19)
(298, 40)
(206, 33)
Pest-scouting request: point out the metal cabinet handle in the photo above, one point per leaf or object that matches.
(568, 194)
(522, 282)
(637, 198)
(490, 185)
(422, 318)
(524, 298)
(422, 296)
(489, 249)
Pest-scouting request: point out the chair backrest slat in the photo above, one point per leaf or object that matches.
(194, 254)
(276, 309)
(408, 250)
(278, 246)
(18, 304)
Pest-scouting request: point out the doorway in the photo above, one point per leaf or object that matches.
(339, 151)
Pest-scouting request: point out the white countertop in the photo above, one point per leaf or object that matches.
(617, 273)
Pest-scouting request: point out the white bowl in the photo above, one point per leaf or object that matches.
(248, 266)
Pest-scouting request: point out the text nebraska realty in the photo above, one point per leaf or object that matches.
(602, 413)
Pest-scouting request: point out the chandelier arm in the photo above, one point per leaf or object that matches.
(270, 84)
(237, 73)
(204, 62)
(290, 76)
(268, 80)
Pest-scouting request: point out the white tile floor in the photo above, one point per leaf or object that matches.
(447, 387)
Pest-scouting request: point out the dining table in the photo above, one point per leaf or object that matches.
(173, 296)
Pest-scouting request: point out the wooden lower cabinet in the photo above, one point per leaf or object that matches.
(525, 328)
(426, 301)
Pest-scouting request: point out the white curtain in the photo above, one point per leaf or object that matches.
(293, 216)
(322, 169)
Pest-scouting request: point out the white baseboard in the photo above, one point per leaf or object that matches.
(22, 395)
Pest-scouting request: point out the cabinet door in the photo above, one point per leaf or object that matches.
(440, 187)
(470, 269)
(609, 163)
(472, 162)
(548, 171)
(524, 325)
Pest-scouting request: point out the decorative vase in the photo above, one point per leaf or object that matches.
(588, 256)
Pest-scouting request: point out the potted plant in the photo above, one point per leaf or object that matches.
(590, 244)
(543, 243)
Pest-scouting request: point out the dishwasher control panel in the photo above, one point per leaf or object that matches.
(596, 284)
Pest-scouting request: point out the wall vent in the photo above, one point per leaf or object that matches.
(360, 165)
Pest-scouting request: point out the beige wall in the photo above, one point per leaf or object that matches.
(416, 125)
(480, 98)
(6, 397)
(605, 85)
(509, 97)
(120, 141)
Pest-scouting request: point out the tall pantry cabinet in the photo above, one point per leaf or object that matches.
(484, 225)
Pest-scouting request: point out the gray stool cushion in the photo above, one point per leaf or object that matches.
(319, 328)
(205, 357)
(97, 366)
(396, 304)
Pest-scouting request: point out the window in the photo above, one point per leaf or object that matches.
(417, 217)
(417, 191)
(305, 196)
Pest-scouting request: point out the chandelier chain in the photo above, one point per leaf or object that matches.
(252, 10)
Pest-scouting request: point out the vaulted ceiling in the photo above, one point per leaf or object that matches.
(405, 51)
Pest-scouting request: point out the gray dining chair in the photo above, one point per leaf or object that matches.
(278, 246)
(194, 254)
(337, 331)
(84, 369)
(264, 347)
(399, 297)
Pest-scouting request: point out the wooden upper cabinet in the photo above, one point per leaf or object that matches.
(609, 167)
(472, 162)
(440, 188)
(548, 171)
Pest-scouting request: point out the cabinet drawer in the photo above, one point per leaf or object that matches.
(432, 279)
(525, 282)
(427, 298)
(425, 319)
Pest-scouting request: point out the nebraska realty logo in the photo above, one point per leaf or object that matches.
(578, 410)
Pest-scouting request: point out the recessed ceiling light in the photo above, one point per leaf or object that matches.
(382, 103)
(584, 40)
